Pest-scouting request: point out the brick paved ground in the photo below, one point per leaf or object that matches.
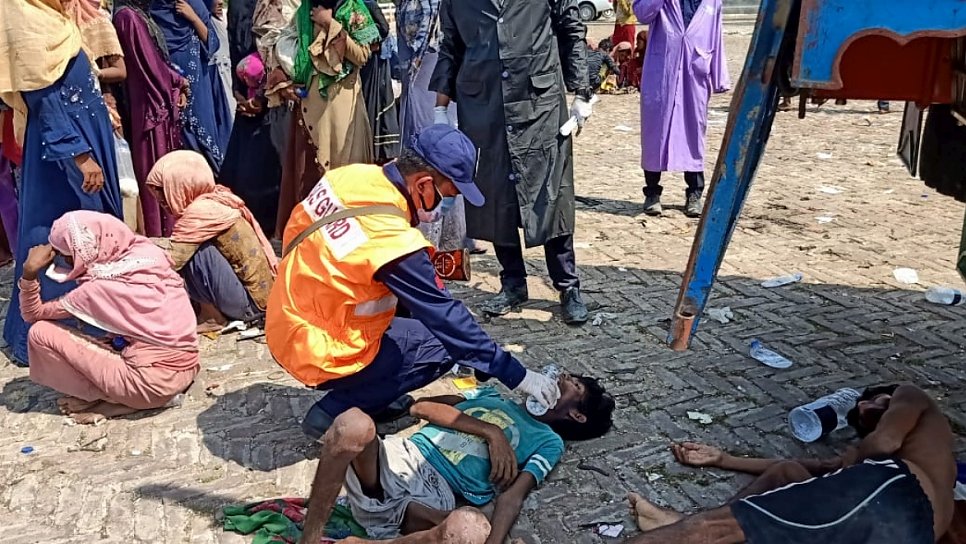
(160, 478)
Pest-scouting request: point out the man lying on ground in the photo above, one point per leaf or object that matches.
(895, 486)
(470, 448)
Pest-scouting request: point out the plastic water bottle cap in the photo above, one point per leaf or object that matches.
(27, 450)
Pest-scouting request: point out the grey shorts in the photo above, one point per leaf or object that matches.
(406, 477)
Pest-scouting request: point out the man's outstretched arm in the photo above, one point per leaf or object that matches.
(703, 455)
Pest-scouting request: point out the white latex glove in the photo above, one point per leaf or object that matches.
(582, 109)
(441, 115)
(540, 387)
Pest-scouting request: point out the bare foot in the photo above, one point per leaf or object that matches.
(210, 327)
(71, 405)
(101, 411)
(650, 516)
(210, 319)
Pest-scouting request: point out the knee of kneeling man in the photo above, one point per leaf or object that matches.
(352, 430)
(468, 525)
(791, 469)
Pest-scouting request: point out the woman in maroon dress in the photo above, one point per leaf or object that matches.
(154, 93)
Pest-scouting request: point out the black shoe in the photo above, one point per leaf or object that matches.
(652, 205)
(693, 207)
(508, 299)
(574, 309)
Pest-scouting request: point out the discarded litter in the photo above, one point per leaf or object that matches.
(768, 357)
(947, 296)
(652, 477)
(623, 128)
(600, 317)
(830, 189)
(783, 280)
(215, 390)
(222, 368)
(907, 276)
(610, 531)
(136, 453)
(822, 219)
(824, 156)
(97, 445)
(721, 315)
(233, 326)
(27, 450)
(700, 417)
(251, 333)
(587, 466)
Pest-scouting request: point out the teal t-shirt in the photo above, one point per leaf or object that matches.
(464, 459)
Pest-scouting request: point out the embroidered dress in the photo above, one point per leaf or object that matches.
(66, 119)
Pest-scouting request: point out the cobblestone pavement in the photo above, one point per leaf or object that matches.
(161, 477)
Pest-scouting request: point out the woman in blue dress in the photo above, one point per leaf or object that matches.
(192, 42)
(68, 147)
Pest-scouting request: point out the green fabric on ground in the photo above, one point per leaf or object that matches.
(280, 520)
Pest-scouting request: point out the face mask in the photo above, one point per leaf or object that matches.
(430, 216)
(446, 204)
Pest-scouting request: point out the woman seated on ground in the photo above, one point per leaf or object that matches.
(125, 287)
(227, 263)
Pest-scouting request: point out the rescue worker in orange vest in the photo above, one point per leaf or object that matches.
(331, 319)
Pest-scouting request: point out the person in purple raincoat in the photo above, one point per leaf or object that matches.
(683, 65)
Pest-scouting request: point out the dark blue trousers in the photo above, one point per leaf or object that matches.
(409, 358)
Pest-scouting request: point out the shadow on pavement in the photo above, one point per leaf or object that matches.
(20, 395)
(258, 426)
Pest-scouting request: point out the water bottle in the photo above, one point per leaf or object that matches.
(945, 295)
(533, 405)
(125, 169)
(819, 418)
(783, 280)
(767, 356)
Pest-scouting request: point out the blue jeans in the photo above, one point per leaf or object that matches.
(409, 358)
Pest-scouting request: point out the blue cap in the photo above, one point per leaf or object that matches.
(452, 154)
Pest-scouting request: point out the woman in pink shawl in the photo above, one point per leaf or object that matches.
(217, 245)
(125, 287)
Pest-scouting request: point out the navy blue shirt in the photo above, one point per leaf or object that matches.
(688, 9)
(412, 278)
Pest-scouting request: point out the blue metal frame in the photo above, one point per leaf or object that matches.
(749, 124)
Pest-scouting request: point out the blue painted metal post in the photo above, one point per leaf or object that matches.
(749, 124)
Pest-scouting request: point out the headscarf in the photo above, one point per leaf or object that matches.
(37, 41)
(276, 34)
(201, 208)
(354, 17)
(126, 284)
(97, 32)
(141, 7)
(418, 24)
(251, 72)
(177, 31)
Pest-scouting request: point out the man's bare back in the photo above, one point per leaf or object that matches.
(915, 422)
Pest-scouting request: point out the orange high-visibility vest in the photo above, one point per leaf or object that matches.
(327, 313)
